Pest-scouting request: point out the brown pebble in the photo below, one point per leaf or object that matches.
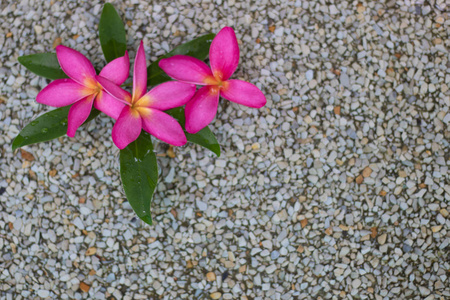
(336, 72)
(304, 222)
(57, 42)
(91, 251)
(82, 200)
(189, 264)
(359, 179)
(210, 276)
(84, 287)
(76, 36)
(402, 174)
(216, 295)
(360, 8)
(329, 231)
(436, 228)
(170, 152)
(258, 40)
(26, 155)
(272, 28)
(383, 193)
(374, 232)
(52, 173)
(337, 110)
(300, 249)
(344, 227)
(366, 172)
(9, 34)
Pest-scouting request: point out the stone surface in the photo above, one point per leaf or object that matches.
(336, 189)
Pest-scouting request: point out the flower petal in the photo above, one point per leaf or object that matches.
(114, 90)
(139, 74)
(202, 108)
(62, 92)
(108, 104)
(168, 95)
(162, 126)
(75, 65)
(127, 128)
(243, 92)
(224, 54)
(78, 113)
(117, 70)
(187, 69)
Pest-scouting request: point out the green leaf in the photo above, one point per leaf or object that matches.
(198, 48)
(46, 127)
(139, 173)
(204, 137)
(112, 33)
(43, 64)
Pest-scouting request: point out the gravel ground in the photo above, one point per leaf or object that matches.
(337, 189)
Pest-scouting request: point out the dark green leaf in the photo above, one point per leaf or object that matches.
(46, 127)
(198, 48)
(204, 137)
(139, 173)
(43, 64)
(112, 33)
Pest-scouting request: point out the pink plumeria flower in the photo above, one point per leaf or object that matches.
(82, 88)
(224, 59)
(144, 110)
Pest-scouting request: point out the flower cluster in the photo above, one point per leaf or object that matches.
(145, 110)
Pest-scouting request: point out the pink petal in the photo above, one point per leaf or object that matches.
(75, 64)
(62, 92)
(162, 126)
(168, 95)
(187, 69)
(114, 90)
(108, 104)
(139, 74)
(78, 113)
(202, 108)
(117, 70)
(127, 128)
(243, 92)
(224, 54)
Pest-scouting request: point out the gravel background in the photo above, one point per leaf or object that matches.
(337, 189)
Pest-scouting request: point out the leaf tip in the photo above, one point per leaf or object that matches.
(108, 6)
(217, 151)
(147, 219)
(17, 143)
